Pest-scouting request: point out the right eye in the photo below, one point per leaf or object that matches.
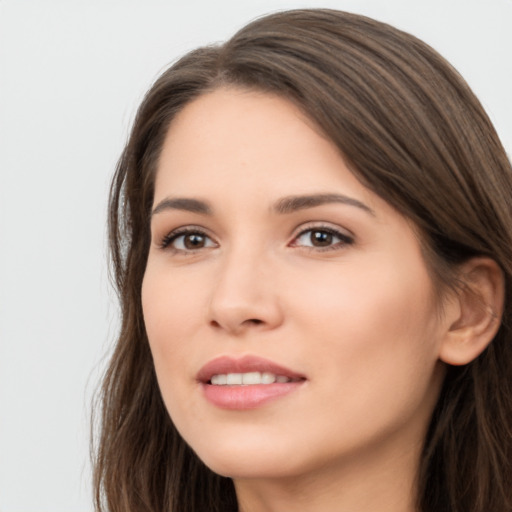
(187, 240)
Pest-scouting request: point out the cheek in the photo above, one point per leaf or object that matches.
(367, 297)
(374, 325)
(374, 338)
(170, 308)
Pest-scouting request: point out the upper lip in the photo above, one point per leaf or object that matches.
(245, 364)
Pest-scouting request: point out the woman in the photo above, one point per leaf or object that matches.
(310, 228)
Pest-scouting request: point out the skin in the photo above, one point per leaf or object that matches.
(357, 318)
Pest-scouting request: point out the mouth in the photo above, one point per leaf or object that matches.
(248, 379)
(247, 370)
(246, 383)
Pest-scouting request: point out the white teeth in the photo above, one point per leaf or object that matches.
(220, 380)
(268, 378)
(251, 378)
(234, 379)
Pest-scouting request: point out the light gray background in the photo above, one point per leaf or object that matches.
(71, 76)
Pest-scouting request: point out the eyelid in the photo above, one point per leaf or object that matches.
(346, 237)
(165, 243)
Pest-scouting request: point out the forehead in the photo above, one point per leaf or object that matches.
(250, 140)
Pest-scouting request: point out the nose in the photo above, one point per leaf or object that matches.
(245, 296)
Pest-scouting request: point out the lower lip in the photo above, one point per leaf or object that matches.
(248, 396)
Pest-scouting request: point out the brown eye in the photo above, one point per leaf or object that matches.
(188, 240)
(320, 238)
(194, 241)
(324, 238)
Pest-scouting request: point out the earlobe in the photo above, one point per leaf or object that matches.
(475, 313)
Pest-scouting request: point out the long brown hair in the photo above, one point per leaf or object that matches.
(413, 132)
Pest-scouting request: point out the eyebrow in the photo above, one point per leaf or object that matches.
(293, 203)
(283, 206)
(183, 203)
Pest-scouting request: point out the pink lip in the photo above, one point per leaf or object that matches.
(245, 364)
(243, 397)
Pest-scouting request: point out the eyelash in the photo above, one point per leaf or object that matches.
(345, 239)
(182, 232)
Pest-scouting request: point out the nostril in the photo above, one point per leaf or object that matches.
(214, 323)
(236, 327)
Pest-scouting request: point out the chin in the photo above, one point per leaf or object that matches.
(246, 459)
(248, 468)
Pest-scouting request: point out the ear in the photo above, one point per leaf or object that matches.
(474, 314)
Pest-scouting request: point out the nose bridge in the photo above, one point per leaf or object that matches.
(243, 293)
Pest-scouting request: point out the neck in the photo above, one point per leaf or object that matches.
(385, 485)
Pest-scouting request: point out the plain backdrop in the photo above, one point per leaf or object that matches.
(71, 76)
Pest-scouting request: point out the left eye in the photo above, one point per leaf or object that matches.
(321, 238)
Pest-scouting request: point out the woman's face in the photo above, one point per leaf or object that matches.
(289, 311)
